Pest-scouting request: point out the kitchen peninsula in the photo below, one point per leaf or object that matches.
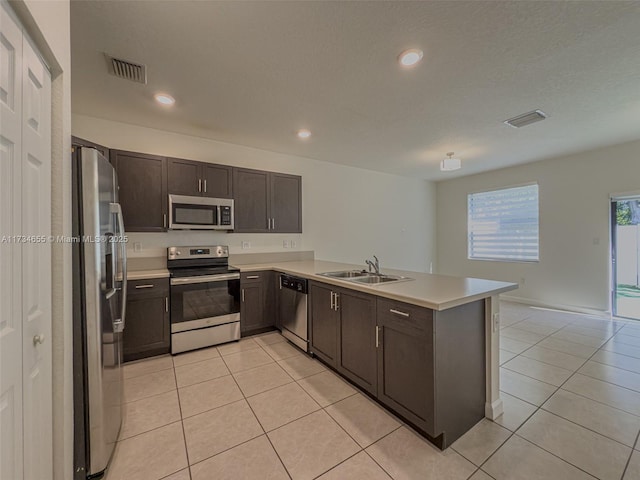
(431, 343)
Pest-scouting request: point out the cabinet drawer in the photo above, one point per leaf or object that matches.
(249, 277)
(390, 311)
(151, 287)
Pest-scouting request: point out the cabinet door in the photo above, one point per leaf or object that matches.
(405, 362)
(251, 196)
(357, 359)
(217, 181)
(324, 324)
(146, 330)
(251, 306)
(142, 181)
(270, 280)
(185, 177)
(286, 203)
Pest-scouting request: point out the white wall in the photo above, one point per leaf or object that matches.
(574, 225)
(349, 214)
(48, 24)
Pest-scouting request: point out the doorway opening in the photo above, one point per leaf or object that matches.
(625, 257)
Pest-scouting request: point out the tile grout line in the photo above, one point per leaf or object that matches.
(184, 435)
(258, 420)
(626, 467)
(540, 407)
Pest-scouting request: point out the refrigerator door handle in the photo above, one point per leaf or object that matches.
(117, 209)
(111, 282)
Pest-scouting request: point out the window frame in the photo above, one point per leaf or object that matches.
(469, 233)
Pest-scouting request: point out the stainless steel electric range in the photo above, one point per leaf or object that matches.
(205, 297)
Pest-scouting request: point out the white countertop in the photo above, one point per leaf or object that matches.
(438, 292)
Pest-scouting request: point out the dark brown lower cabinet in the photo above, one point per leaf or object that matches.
(257, 302)
(357, 338)
(427, 366)
(324, 323)
(147, 329)
(405, 361)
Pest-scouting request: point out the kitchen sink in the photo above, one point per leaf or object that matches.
(345, 274)
(374, 279)
(361, 276)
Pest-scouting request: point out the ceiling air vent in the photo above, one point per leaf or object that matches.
(136, 72)
(526, 119)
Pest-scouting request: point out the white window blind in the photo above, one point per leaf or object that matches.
(503, 224)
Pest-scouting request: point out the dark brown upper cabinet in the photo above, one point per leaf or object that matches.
(188, 177)
(267, 202)
(286, 203)
(142, 183)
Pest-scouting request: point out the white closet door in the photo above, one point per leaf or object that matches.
(36, 265)
(11, 435)
(25, 259)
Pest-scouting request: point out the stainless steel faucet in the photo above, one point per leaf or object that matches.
(374, 264)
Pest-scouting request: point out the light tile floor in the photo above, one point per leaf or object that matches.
(260, 409)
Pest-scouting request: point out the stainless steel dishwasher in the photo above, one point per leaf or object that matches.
(293, 310)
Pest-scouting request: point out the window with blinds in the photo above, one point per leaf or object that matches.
(503, 224)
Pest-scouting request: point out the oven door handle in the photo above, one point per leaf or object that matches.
(204, 279)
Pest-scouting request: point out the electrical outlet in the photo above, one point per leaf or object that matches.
(137, 246)
(285, 244)
(293, 244)
(246, 245)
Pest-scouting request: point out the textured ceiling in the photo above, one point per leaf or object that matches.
(253, 73)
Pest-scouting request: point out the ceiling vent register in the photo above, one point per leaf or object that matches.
(136, 72)
(526, 119)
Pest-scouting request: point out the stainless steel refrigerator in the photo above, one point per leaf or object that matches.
(99, 299)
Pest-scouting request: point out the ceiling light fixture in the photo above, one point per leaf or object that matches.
(450, 163)
(410, 57)
(304, 133)
(164, 99)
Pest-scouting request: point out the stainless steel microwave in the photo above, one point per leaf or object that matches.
(200, 213)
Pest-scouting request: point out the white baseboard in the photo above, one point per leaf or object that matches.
(555, 306)
(493, 410)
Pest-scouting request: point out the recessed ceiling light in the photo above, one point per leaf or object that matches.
(304, 133)
(450, 163)
(164, 99)
(410, 57)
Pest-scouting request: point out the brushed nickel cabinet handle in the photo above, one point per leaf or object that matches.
(377, 336)
(199, 184)
(332, 302)
(166, 304)
(164, 220)
(243, 295)
(398, 312)
(251, 277)
(205, 185)
(147, 285)
(337, 303)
